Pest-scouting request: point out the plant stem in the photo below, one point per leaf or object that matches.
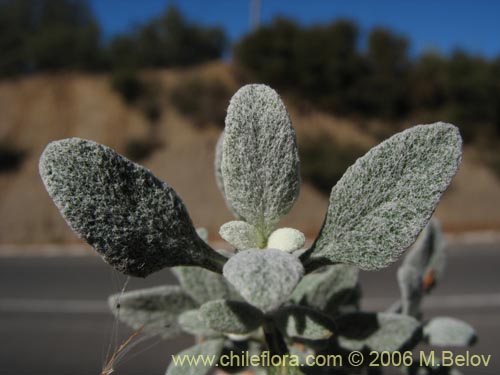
(274, 340)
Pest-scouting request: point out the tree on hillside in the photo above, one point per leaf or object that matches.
(269, 52)
(169, 40)
(320, 62)
(429, 81)
(472, 92)
(386, 84)
(328, 64)
(48, 35)
(16, 24)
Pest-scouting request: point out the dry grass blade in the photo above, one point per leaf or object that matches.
(109, 368)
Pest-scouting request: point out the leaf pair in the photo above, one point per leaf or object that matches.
(136, 222)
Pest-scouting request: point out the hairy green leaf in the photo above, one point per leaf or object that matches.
(264, 278)
(303, 323)
(326, 290)
(204, 285)
(385, 199)
(286, 239)
(241, 235)
(191, 322)
(260, 162)
(218, 164)
(377, 331)
(155, 309)
(218, 172)
(443, 331)
(208, 349)
(231, 316)
(136, 222)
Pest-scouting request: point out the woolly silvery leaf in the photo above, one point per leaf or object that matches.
(136, 222)
(231, 316)
(218, 172)
(286, 239)
(218, 164)
(379, 332)
(155, 309)
(191, 323)
(303, 323)
(327, 290)
(443, 331)
(203, 285)
(241, 235)
(264, 278)
(385, 199)
(410, 285)
(260, 162)
(209, 349)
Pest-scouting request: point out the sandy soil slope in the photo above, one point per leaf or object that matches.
(37, 110)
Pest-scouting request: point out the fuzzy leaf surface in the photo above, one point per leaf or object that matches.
(443, 331)
(231, 316)
(260, 162)
(377, 331)
(191, 322)
(303, 323)
(136, 222)
(204, 285)
(286, 239)
(264, 278)
(241, 235)
(326, 290)
(386, 198)
(218, 172)
(219, 179)
(156, 309)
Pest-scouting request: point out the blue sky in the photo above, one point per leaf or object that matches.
(437, 24)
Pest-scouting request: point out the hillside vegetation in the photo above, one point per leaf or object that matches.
(172, 130)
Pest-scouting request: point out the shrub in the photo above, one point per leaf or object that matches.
(48, 35)
(139, 149)
(203, 101)
(128, 85)
(324, 161)
(271, 293)
(10, 157)
(161, 42)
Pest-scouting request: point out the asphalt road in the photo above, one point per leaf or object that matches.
(54, 320)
